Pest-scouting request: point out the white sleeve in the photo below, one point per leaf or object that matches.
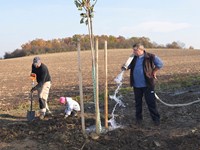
(77, 106)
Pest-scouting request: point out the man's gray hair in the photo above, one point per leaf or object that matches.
(138, 45)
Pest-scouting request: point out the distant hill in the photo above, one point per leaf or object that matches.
(40, 46)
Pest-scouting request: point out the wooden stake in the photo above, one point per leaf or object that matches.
(106, 86)
(81, 88)
(98, 122)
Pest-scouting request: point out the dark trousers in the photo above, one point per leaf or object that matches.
(150, 100)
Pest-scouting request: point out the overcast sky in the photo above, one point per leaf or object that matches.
(163, 22)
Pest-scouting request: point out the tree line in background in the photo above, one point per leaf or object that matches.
(40, 46)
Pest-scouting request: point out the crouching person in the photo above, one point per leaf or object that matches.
(72, 106)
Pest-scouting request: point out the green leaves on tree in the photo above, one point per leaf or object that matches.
(88, 7)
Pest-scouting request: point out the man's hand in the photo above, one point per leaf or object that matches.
(33, 89)
(123, 68)
(33, 76)
(154, 73)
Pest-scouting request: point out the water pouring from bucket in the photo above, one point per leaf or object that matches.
(118, 101)
(119, 78)
(116, 98)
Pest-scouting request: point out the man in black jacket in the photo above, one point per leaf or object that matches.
(44, 84)
(143, 68)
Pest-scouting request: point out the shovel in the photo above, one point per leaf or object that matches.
(31, 113)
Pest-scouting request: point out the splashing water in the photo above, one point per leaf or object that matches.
(117, 99)
(119, 78)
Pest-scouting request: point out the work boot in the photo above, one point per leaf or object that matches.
(42, 115)
(49, 113)
(138, 123)
(156, 123)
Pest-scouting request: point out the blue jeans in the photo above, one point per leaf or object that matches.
(150, 100)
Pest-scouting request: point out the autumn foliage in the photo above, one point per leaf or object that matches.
(40, 46)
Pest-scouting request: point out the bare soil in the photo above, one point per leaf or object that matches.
(179, 128)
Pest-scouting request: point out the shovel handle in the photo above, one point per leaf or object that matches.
(31, 94)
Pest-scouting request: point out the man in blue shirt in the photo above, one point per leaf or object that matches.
(143, 67)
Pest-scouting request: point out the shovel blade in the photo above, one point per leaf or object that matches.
(30, 115)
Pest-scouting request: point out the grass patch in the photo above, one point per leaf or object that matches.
(179, 81)
(125, 90)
